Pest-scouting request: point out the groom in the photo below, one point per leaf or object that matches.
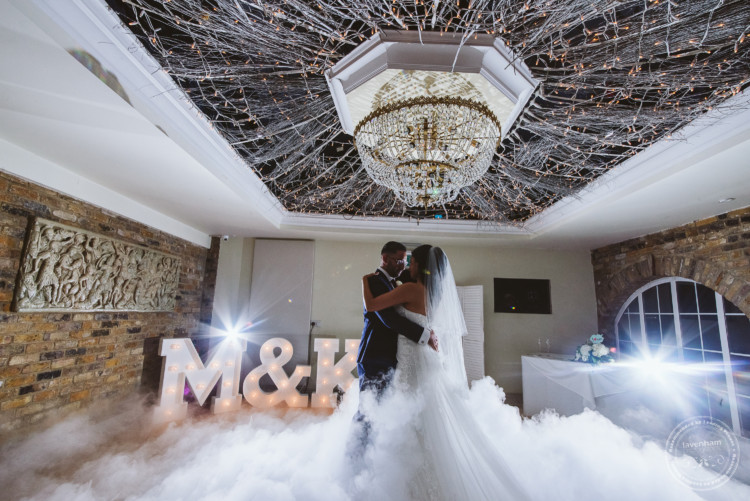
(377, 349)
(376, 360)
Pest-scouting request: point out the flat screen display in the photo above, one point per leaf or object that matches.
(522, 295)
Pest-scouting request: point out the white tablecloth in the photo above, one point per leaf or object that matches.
(553, 381)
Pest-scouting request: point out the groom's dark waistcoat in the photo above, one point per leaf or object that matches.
(380, 334)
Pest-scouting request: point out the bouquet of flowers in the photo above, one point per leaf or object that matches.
(594, 351)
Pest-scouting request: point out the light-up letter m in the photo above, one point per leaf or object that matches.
(181, 363)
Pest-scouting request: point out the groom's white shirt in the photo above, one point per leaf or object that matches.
(426, 332)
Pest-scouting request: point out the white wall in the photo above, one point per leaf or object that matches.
(337, 301)
(510, 335)
(233, 275)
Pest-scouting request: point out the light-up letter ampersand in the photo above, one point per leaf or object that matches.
(286, 387)
(329, 374)
(181, 362)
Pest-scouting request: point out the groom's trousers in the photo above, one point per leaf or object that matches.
(373, 380)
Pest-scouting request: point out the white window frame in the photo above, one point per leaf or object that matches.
(721, 315)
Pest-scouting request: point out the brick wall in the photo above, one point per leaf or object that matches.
(57, 362)
(714, 252)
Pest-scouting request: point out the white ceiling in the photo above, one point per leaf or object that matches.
(62, 127)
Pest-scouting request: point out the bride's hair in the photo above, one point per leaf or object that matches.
(431, 266)
(421, 256)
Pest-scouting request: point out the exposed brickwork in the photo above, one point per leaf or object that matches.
(54, 362)
(714, 252)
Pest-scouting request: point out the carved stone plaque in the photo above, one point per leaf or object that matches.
(65, 268)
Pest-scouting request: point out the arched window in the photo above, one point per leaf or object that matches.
(680, 320)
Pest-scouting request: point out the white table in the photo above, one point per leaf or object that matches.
(552, 381)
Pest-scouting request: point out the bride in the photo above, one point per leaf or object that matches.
(460, 463)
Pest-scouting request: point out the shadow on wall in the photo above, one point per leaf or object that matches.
(151, 374)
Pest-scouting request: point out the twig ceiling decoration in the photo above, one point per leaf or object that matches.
(615, 77)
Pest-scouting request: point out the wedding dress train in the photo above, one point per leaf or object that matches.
(459, 461)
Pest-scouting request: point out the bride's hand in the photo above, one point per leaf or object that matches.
(368, 276)
(433, 342)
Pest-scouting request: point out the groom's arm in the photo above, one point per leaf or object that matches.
(392, 320)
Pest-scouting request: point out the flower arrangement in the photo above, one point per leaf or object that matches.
(594, 351)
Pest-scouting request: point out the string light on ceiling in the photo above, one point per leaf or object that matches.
(613, 77)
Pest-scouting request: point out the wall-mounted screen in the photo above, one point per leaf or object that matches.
(522, 295)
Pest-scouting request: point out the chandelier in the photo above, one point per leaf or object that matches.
(426, 148)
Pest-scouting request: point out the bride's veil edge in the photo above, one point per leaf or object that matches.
(444, 313)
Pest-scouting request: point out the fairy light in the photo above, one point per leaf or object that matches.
(622, 66)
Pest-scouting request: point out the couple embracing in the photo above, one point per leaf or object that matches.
(411, 345)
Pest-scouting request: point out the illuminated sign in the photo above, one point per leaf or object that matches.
(181, 364)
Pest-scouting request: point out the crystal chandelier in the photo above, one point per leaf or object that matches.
(426, 148)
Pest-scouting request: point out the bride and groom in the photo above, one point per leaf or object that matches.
(399, 354)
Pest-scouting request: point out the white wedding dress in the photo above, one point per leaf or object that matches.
(459, 462)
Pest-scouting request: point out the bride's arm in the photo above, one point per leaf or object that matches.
(406, 293)
(399, 295)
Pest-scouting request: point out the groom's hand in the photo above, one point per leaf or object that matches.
(433, 342)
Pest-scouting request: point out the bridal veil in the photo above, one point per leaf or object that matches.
(466, 465)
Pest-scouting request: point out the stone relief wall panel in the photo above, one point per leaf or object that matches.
(65, 268)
